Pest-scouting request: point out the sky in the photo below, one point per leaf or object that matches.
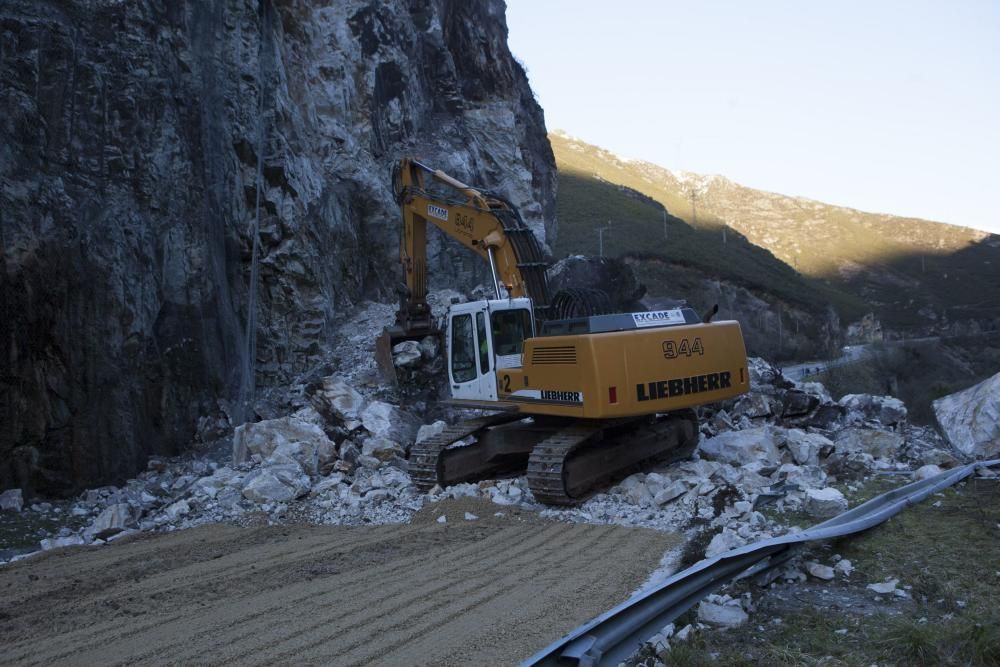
(884, 106)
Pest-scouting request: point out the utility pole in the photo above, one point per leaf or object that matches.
(780, 332)
(723, 235)
(665, 236)
(600, 238)
(694, 209)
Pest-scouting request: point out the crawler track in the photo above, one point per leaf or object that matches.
(566, 460)
(425, 458)
(567, 467)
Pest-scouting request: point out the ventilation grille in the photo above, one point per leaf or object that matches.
(554, 355)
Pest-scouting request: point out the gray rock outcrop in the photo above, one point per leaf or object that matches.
(138, 142)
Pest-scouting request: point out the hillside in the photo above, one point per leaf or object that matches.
(912, 273)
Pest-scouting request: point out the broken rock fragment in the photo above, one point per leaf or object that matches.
(672, 492)
(877, 443)
(112, 520)
(885, 409)
(825, 503)
(722, 611)
(337, 400)
(820, 571)
(11, 500)
(885, 587)
(284, 440)
(276, 483)
(752, 445)
(406, 354)
(804, 447)
(389, 421)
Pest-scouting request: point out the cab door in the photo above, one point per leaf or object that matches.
(471, 370)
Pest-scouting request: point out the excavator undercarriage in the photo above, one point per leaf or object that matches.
(566, 459)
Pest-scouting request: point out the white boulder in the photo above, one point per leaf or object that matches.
(820, 571)
(750, 445)
(338, 399)
(671, 492)
(276, 483)
(285, 440)
(880, 444)
(804, 476)
(825, 503)
(804, 447)
(11, 500)
(970, 418)
(388, 421)
(112, 520)
(884, 587)
(886, 409)
(635, 491)
(59, 542)
(178, 509)
(927, 471)
(724, 541)
(210, 485)
(406, 353)
(844, 567)
(721, 612)
(430, 430)
(762, 372)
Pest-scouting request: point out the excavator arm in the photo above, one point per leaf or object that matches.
(484, 222)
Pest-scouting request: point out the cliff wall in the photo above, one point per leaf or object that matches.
(133, 139)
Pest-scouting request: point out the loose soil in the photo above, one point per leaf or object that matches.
(490, 591)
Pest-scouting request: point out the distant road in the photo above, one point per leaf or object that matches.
(854, 353)
(848, 355)
(851, 354)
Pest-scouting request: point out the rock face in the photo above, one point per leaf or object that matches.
(133, 139)
(970, 419)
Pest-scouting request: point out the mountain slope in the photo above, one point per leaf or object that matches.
(909, 271)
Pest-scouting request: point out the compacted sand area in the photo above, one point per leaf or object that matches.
(491, 590)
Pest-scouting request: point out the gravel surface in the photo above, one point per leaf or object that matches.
(484, 590)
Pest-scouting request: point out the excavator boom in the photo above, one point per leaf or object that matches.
(486, 223)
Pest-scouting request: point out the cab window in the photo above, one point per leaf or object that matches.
(484, 350)
(463, 346)
(510, 328)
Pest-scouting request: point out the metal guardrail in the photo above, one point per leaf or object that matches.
(618, 633)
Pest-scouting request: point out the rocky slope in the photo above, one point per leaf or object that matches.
(142, 144)
(915, 274)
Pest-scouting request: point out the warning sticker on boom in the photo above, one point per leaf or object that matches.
(437, 212)
(658, 318)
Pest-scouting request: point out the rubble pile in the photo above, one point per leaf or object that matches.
(341, 458)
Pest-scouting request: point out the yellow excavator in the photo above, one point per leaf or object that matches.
(576, 397)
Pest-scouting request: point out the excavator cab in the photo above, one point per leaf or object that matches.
(483, 336)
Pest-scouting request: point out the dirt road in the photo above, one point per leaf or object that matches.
(489, 591)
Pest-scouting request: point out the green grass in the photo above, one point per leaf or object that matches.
(949, 555)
